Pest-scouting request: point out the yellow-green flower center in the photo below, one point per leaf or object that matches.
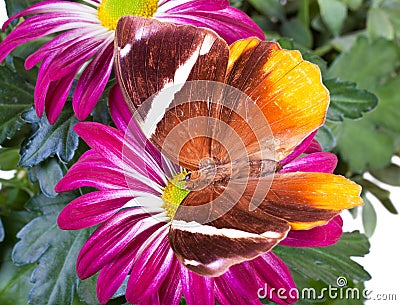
(174, 193)
(110, 11)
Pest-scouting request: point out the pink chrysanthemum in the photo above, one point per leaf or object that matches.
(86, 34)
(132, 240)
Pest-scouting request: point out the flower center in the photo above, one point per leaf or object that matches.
(174, 193)
(110, 11)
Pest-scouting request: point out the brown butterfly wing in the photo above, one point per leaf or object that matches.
(208, 234)
(151, 57)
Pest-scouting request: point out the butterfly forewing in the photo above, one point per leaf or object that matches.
(155, 61)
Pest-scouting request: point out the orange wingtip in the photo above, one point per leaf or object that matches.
(288, 90)
(319, 190)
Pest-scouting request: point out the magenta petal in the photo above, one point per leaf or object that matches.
(124, 153)
(93, 170)
(299, 149)
(36, 27)
(323, 162)
(150, 269)
(313, 147)
(240, 278)
(56, 96)
(92, 208)
(230, 23)
(46, 7)
(42, 85)
(92, 82)
(171, 289)
(57, 44)
(70, 59)
(105, 140)
(119, 110)
(322, 236)
(113, 275)
(154, 299)
(225, 295)
(273, 274)
(198, 290)
(179, 6)
(113, 237)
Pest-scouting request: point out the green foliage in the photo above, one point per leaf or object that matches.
(389, 174)
(368, 217)
(333, 14)
(54, 250)
(14, 280)
(47, 173)
(16, 96)
(329, 263)
(369, 143)
(325, 138)
(379, 193)
(347, 101)
(49, 140)
(15, 6)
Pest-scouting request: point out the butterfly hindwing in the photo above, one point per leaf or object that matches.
(209, 235)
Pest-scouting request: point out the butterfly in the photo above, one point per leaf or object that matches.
(229, 115)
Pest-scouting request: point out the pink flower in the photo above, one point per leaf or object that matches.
(83, 46)
(132, 241)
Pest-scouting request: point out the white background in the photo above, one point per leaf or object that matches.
(383, 262)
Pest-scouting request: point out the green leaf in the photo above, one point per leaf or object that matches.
(297, 30)
(379, 25)
(329, 263)
(333, 13)
(53, 249)
(387, 115)
(362, 145)
(87, 290)
(47, 173)
(369, 143)
(389, 174)
(15, 6)
(269, 8)
(389, 15)
(353, 4)
(16, 96)
(325, 138)
(368, 217)
(48, 140)
(9, 158)
(14, 280)
(347, 101)
(381, 194)
(366, 63)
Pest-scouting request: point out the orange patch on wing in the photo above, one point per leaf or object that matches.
(288, 90)
(307, 200)
(306, 225)
(317, 190)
